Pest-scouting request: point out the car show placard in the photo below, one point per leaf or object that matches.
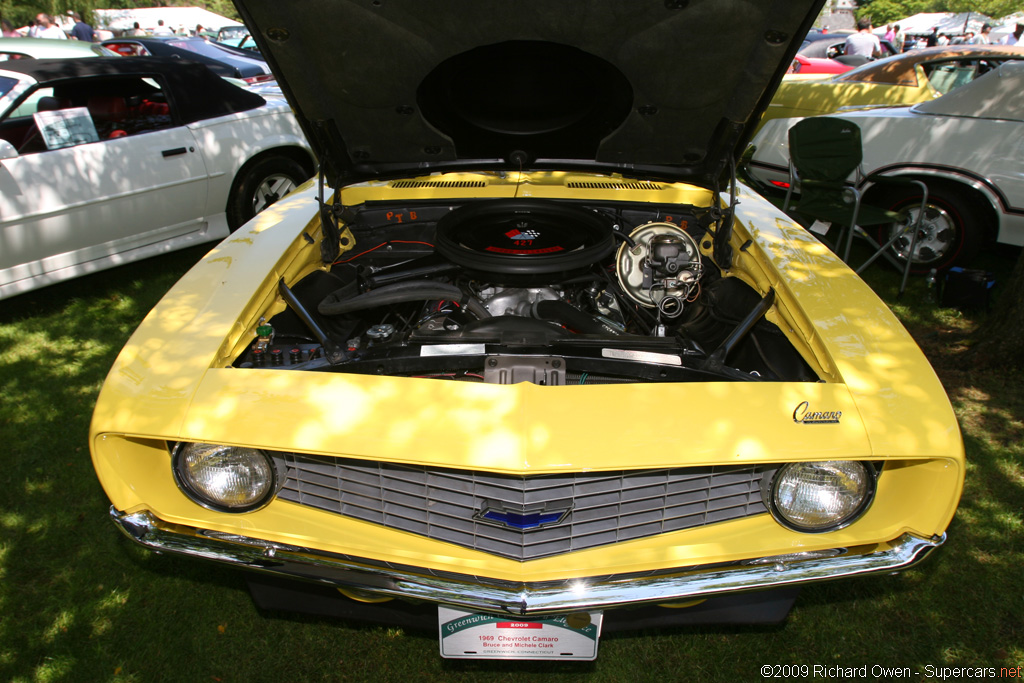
(66, 127)
(467, 635)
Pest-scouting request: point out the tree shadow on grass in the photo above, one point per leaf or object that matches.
(64, 581)
(968, 598)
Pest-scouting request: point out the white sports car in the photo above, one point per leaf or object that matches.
(109, 160)
(966, 146)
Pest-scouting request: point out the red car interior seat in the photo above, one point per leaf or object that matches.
(107, 108)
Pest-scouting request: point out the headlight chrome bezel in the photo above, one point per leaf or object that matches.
(194, 493)
(769, 496)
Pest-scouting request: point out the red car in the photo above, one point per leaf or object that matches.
(817, 65)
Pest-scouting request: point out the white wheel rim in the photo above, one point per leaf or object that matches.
(935, 237)
(270, 190)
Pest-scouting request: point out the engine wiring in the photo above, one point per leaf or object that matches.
(382, 244)
(600, 290)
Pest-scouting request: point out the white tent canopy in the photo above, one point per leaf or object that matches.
(1006, 26)
(950, 23)
(174, 18)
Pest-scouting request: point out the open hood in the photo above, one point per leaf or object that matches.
(664, 89)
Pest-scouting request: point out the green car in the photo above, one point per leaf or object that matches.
(236, 36)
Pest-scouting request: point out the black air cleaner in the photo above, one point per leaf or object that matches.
(524, 237)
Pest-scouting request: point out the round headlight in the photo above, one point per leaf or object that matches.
(821, 496)
(225, 478)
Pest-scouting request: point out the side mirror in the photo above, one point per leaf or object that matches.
(7, 150)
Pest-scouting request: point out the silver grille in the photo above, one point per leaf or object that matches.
(603, 507)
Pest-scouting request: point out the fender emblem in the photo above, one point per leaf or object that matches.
(803, 414)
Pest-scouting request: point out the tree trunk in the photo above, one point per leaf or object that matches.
(999, 341)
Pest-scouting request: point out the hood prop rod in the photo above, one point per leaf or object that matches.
(716, 361)
(723, 231)
(332, 352)
(331, 243)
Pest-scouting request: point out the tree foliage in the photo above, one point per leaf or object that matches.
(993, 8)
(19, 12)
(225, 8)
(886, 11)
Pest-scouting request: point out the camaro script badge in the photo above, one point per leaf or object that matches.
(803, 414)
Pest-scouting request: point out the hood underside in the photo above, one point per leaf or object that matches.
(657, 88)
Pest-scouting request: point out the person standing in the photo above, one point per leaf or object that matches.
(81, 30)
(983, 38)
(863, 43)
(890, 34)
(45, 28)
(8, 30)
(900, 40)
(162, 30)
(1014, 37)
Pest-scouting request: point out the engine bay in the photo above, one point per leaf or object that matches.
(511, 290)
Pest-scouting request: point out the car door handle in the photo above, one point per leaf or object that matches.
(173, 152)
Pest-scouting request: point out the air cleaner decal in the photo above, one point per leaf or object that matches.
(545, 250)
(517, 234)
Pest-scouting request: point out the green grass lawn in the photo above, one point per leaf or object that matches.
(78, 602)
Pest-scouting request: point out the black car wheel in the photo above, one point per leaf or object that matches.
(951, 229)
(260, 185)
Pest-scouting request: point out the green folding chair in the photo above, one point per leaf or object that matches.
(825, 158)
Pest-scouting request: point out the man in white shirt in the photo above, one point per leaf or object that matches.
(1014, 37)
(863, 43)
(162, 30)
(45, 28)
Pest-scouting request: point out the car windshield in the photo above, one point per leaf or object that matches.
(232, 32)
(204, 48)
(6, 84)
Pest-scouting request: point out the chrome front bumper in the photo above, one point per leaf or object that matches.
(508, 597)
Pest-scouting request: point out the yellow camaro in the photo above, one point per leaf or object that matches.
(909, 78)
(525, 355)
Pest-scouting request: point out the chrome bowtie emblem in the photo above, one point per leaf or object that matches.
(522, 519)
